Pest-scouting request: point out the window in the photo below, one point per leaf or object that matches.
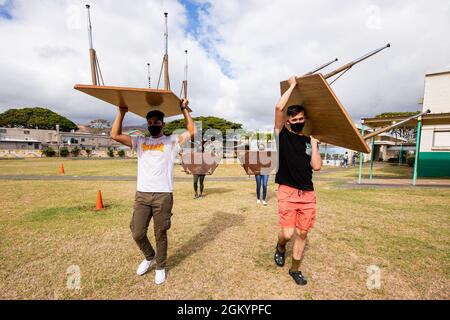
(3, 131)
(36, 146)
(441, 139)
(70, 140)
(82, 140)
(26, 132)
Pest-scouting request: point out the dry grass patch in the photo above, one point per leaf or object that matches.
(83, 167)
(221, 247)
(95, 167)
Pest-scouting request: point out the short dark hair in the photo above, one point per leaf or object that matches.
(292, 111)
(157, 114)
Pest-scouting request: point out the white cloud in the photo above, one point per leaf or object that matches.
(45, 52)
(267, 41)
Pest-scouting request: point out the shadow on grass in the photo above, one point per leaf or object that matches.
(47, 214)
(219, 222)
(216, 190)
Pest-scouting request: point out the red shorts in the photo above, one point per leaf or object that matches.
(296, 208)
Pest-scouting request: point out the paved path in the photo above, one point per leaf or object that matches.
(397, 183)
(130, 178)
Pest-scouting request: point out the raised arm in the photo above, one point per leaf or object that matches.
(116, 131)
(280, 118)
(316, 160)
(190, 125)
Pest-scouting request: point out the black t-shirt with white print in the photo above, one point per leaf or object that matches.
(294, 160)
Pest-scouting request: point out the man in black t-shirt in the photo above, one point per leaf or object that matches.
(298, 156)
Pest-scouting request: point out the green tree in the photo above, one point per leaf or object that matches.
(76, 152)
(88, 152)
(64, 152)
(121, 153)
(397, 114)
(48, 152)
(110, 153)
(263, 136)
(207, 123)
(410, 161)
(30, 118)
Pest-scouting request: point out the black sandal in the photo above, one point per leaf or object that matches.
(279, 257)
(298, 278)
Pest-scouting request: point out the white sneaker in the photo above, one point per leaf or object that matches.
(258, 201)
(160, 276)
(265, 203)
(144, 266)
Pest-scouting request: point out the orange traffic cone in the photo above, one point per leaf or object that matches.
(99, 205)
(61, 169)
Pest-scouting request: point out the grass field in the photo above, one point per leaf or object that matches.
(220, 247)
(98, 167)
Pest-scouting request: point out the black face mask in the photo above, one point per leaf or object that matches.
(297, 127)
(155, 130)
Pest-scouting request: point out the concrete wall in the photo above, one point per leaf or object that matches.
(18, 153)
(437, 93)
(90, 141)
(434, 156)
(435, 138)
(15, 138)
(434, 164)
(44, 136)
(31, 145)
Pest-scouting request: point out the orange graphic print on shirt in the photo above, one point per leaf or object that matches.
(154, 147)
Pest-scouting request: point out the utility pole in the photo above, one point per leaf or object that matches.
(149, 76)
(92, 53)
(166, 54)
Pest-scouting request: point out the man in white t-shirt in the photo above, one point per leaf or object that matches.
(154, 199)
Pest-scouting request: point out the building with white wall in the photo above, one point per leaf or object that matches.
(434, 155)
(20, 142)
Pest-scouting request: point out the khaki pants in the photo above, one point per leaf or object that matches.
(148, 205)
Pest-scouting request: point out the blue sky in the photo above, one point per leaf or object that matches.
(5, 9)
(194, 10)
